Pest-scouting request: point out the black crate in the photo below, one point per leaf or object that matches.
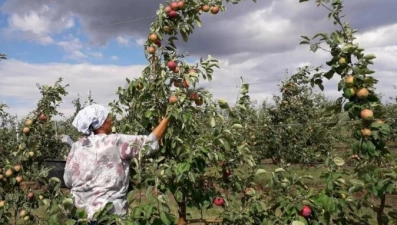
(57, 169)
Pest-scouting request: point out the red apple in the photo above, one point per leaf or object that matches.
(306, 211)
(177, 83)
(172, 14)
(181, 4)
(42, 117)
(215, 10)
(158, 43)
(218, 201)
(205, 8)
(185, 84)
(167, 9)
(174, 5)
(171, 65)
(173, 99)
(227, 173)
(30, 195)
(198, 101)
(193, 96)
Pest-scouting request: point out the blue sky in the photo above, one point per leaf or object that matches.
(256, 41)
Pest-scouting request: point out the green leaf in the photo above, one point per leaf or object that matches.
(369, 56)
(237, 126)
(339, 161)
(296, 222)
(70, 222)
(164, 218)
(260, 171)
(213, 122)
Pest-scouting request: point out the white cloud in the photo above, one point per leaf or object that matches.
(114, 57)
(96, 55)
(73, 47)
(122, 41)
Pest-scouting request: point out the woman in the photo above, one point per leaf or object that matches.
(98, 165)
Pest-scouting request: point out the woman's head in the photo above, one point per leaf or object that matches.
(93, 118)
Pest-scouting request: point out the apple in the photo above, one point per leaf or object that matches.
(19, 179)
(2, 203)
(30, 195)
(215, 10)
(198, 101)
(174, 5)
(167, 9)
(28, 122)
(177, 83)
(378, 121)
(43, 117)
(181, 4)
(26, 130)
(192, 70)
(139, 86)
(67, 202)
(218, 201)
(41, 197)
(173, 99)
(21, 146)
(9, 173)
(362, 93)
(350, 91)
(22, 213)
(31, 154)
(153, 37)
(249, 191)
(349, 80)
(342, 61)
(366, 132)
(306, 211)
(185, 84)
(206, 8)
(177, 69)
(227, 173)
(17, 168)
(158, 43)
(172, 14)
(171, 65)
(367, 114)
(167, 29)
(26, 218)
(193, 96)
(151, 50)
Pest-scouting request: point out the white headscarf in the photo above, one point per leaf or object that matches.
(90, 118)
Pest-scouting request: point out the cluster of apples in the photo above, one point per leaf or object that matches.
(29, 123)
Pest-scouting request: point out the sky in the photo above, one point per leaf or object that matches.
(95, 45)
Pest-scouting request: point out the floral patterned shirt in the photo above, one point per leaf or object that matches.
(97, 169)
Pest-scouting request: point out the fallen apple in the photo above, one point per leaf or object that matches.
(218, 201)
(306, 211)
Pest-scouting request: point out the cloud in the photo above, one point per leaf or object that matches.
(122, 41)
(256, 41)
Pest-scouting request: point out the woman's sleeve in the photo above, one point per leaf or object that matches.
(129, 146)
(67, 176)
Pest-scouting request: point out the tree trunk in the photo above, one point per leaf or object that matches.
(182, 213)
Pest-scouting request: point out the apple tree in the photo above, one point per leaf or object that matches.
(351, 64)
(198, 136)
